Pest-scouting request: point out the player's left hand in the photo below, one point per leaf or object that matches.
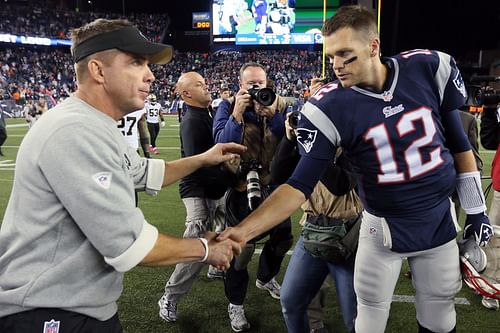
(222, 152)
(235, 234)
(162, 124)
(478, 226)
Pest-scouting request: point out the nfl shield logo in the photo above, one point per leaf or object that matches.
(51, 326)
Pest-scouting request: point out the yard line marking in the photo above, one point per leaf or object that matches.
(17, 125)
(6, 180)
(397, 298)
(411, 299)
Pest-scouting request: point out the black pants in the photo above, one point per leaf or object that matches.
(273, 253)
(154, 129)
(3, 134)
(49, 319)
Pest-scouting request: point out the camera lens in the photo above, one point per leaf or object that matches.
(253, 189)
(266, 96)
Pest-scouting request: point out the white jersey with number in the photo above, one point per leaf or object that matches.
(128, 126)
(153, 112)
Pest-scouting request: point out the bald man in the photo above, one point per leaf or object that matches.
(202, 192)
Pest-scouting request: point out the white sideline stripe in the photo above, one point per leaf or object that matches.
(5, 162)
(398, 298)
(161, 148)
(259, 251)
(17, 125)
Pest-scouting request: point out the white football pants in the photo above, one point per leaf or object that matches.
(435, 277)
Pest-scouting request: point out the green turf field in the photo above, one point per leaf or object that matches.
(204, 309)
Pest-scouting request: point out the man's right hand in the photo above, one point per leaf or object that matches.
(242, 101)
(316, 83)
(234, 234)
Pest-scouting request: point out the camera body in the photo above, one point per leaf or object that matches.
(487, 97)
(294, 118)
(264, 96)
(484, 95)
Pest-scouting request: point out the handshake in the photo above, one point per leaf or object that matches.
(219, 250)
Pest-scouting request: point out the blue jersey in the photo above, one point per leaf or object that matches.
(395, 139)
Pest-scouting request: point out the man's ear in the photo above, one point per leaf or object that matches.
(375, 47)
(94, 68)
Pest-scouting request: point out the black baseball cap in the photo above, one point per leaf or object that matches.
(127, 39)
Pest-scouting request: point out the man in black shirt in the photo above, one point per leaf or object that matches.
(3, 130)
(202, 192)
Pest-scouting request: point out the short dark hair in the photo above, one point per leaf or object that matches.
(355, 17)
(250, 64)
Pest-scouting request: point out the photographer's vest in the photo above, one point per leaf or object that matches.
(322, 201)
(261, 145)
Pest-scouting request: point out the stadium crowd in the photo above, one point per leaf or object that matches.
(32, 72)
(57, 22)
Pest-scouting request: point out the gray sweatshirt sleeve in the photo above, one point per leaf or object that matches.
(93, 173)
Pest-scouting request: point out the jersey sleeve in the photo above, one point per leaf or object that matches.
(451, 86)
(90, 175)
(317, 136)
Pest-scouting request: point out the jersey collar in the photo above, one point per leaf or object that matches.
(387, 94)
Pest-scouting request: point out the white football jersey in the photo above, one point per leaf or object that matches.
(128, 126)
(153, 112)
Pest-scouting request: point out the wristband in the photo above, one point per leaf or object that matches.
(205, 245)
(470, 192)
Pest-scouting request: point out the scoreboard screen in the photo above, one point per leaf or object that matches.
(269, 22)
(201, 20)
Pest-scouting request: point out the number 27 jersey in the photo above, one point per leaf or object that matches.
(394, 139)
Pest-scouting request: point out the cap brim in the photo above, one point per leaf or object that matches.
(157, 53)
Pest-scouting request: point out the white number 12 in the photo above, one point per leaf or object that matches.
(413, 157)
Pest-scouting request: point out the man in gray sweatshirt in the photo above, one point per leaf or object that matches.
(62, 260)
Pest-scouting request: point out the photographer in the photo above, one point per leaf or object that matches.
(490, 139)
(246, 119)
(328, 241)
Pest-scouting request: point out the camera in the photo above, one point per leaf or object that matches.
(483, 95)
(264, 96)
(254, 193)
(294, 118)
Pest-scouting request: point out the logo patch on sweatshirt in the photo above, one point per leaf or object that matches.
(51, 326)
(103, 179)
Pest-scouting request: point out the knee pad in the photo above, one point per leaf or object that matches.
(241, 261)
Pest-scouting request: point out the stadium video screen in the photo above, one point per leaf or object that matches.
(269, 22)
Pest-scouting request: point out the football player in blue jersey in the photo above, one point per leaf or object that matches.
(396, 119)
